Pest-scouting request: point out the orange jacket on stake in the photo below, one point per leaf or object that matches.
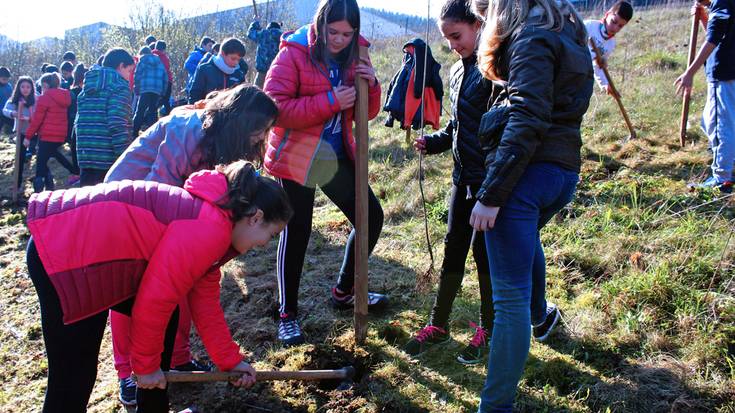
(404, 93)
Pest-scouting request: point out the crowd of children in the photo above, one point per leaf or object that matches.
(179, 197)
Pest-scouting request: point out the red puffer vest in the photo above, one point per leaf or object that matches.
(303, 93)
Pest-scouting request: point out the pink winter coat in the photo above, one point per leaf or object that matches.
(306, 103)
(155, 242)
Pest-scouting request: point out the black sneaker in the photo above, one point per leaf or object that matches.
(541, 332)
(192, 365)
(477, 349)
(345, 301)
(289, 331)
(127, 391)
(425, 338)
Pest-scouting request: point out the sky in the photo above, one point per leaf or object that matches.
(45, 18)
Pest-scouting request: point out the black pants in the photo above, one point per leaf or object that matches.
(337, 180)
(72, 140)
(166, 100)
(73, 349)
(146, 111)
(89, 177)
(21, 161)
(456, 247)
(46, 151)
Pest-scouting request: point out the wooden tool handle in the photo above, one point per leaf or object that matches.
(268, 375)
(687, 96)
(616, 95)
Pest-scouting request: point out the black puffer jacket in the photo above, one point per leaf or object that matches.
(209, 77)
(470, 95)
(549, 85)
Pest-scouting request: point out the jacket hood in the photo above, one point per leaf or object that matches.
(305, 37)
(99, 78)
(148, 61)
(60, 97)
(208, 185)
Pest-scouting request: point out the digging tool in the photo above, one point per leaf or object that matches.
(616, 95)
(255, 10)
(687, 94)
(361, 205)
(345, 373)
(18, 164)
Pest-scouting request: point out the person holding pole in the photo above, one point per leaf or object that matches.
(603, 32)
(19, 109)
(312, 80)
(718, 55)
(539, 47)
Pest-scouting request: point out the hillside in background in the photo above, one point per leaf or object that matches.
(642, 269)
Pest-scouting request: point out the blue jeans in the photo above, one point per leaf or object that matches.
(719, 123)
(518, 276)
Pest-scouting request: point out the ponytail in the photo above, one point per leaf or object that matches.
(249, 192)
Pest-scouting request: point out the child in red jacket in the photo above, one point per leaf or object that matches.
(144, 247)
(50, 122)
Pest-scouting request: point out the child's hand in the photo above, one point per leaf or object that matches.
(366, 72)
(151, 381)
(26, 143)
(248, 378)
(684, 84)
(483, 217)
(610, 91)
(346, 96)
(420, 144)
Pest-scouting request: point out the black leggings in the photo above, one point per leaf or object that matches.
(146, 112)
(46, 151)
(456, 247)
(337, 180)
(73, 349)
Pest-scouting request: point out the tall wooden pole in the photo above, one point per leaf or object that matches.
(18, 164)
(616, 95)
(255, 10)
(361, 205)
(687, 94)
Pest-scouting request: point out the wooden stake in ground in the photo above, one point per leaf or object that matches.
(361, 205)
(687, 94)
(344, 373)
(18, 163)
(616, 95)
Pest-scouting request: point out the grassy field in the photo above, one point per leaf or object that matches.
(641, 268)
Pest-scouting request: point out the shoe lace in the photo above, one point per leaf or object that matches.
(128, 382)
(289, 327)
(480, 336)
(427, 332)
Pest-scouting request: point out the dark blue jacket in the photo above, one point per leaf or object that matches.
(268, 41)
(209, 77)
(721, 33)
(193, 60)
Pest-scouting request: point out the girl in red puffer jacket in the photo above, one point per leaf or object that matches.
(50, 122)
(143, 247)
(312, 80)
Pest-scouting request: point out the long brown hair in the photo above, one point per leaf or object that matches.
(249, 192)
(505, 17)
(331, 11)
(17, 96)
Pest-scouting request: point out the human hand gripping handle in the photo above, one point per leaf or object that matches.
(483, 216)
(420, 144)
(152, 380)
(346, 96)
(367, 72)
(248, 378)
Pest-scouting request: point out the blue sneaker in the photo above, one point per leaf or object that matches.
(127, 391)
(712, 182)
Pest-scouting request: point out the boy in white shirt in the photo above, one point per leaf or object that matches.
(603, 32)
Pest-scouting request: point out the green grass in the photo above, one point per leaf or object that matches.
(641, 268)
